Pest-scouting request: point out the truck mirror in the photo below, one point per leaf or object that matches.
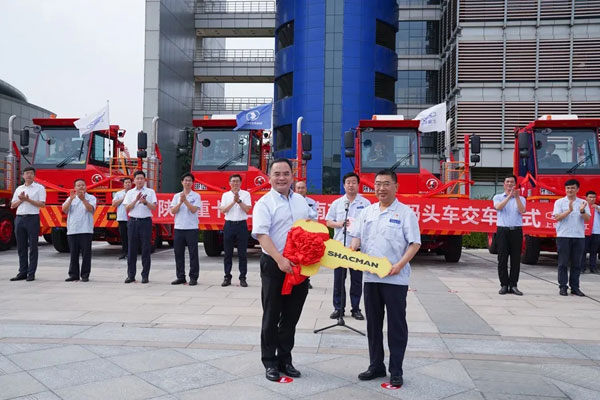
(25, 138)
(349, 140)
(475, 158)
(306, 142)
(142, 154)
(306, 155)
(24, 150)
(475, 144)
(142, 140)
(349, 153)
(182, 141)
(523, 142)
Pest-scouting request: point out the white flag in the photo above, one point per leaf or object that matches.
(94, 122)
(433, 119)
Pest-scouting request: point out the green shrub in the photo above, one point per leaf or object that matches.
(475, 240)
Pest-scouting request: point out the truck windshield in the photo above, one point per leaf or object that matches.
(221, 150)
(567, 151)
(61, 148)
(395, 149)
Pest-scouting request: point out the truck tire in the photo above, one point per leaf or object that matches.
(48, 237)
(531, 250)
(212, 247)
(453, 248)
(7, 230)
(59, 240)
(491, 243)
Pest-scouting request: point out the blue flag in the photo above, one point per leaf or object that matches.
(255, 118)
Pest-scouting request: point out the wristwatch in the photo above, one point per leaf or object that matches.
(582, 211)
(239, 201)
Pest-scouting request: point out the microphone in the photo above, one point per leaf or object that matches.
(346, 205)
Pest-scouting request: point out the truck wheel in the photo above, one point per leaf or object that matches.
(7, 230)
(453, 247)
(48, 237)
(491, 243)
(212, 247)
(531, 250)
(59, 240)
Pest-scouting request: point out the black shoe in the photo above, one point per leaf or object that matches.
(243, 282)
(129, 280)
(272, 374)
(290, 371)
(582, 271)
(309, 285)
(85, 279)
(71, 279)
(123, 257)
(563, 291)
(336, 314)
(358, 315)
(18, 278)
(371, 374)
(514, 290)
(227, 282)
(145, 280)
(577, 292)
(193, 282)
(30, 278)
(178, 281)
(503, 290)
(593, 271)
(396, 380)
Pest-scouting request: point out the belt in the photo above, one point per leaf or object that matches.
(235, 222)
(511, 228)
(28, 215)
(139, 219)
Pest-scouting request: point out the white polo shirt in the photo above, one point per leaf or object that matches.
(510, 215)
(36, 192)
(572, 226)
(140, 210)
(121, 211)
(337, 213)
(79, 219)
(236, 213)
(596, 225)
(185, 219)
(312, 204)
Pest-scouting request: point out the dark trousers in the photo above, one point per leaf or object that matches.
(235, 230)
(27, 230)
(393, 298)
(509, 242)
(592, 244)
(339, 288)
(80, 243)
(123, 235)
(280, 314)
(186, 238)
(139, 233)
(569, 252)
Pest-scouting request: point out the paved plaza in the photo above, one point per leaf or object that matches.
(108, 340)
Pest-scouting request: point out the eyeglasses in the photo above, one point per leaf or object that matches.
(383, 184)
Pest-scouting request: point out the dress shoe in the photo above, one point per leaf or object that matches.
(503, 290)
(243, 282)
(193, 282)
(336, 314)
(309, 285)
(145, 280)
(371, 374)
(563, 291)
(86, 279)
(71, 279)
(396, 380)
(178, 281)
(227, 282)
(514, 290)
(358, 315)
(129, 280)
(582, 271)
(30, 278)
(123, 257)
(593, 271)
(577, 292)
(18, 278)
(290, 371)
(272, 374)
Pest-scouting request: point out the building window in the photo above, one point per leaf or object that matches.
(283, 137)
(417, 87)
(285, 35)
(385, 35)
(418, 3)
(418, 37)
(384, 86)
(285, 85)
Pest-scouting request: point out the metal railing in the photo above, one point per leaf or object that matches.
(236, 55)
(229, 104)
(454, 171)
(249, 6)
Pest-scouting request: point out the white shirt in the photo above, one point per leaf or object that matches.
(121, 211)
(314, 213)
(510, 214)
(79, 219)
(596, 226)
(572, 226)
(36, 192)
(185, 219)
(274, 214)
(387, 234)
(236, 213)
(337, 213)
(140, 210)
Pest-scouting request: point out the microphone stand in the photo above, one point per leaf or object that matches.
(342, 275)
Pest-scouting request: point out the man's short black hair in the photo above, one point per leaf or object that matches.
(235, 176)
(350, 175)
(572, 182)
(127, 178)
(26, 169)
(136, 173)
(188, 175)
(387, 172)
(590, 192)
(511, 176)
(281, 160)
(77, 180)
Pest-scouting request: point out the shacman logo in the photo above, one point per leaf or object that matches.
(432, 183)
(259, 180)
(352, 259)
(253, 116)
(96, 178)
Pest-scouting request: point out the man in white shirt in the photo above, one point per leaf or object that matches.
(28, 199)
(122, 218)
(139, 203)
(301, 189)
(592, 242)
(80, 207)
(235, 204)
(185, 208)
(571, 214)
(341, 214)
